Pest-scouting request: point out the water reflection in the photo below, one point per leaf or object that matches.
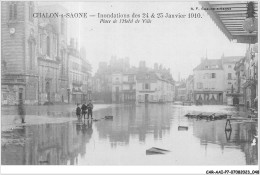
(130, 121)
(21, 113)
(50, 144)
(133, 130)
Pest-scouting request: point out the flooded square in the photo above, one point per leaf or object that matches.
(124, 139)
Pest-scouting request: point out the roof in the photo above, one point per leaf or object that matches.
(210, 64)
(232, 59)
(229, 17)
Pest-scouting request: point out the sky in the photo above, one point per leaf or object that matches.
(178, 44)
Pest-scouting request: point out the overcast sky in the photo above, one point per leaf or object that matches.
(177, 44)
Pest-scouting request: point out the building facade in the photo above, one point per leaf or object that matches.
(215, 81)
(250, 87)
(240, 80)
(190, 88)
(79, 73)
(230, 78)
(209, 82)
(35, 57)
(19, 53)
(154, 85)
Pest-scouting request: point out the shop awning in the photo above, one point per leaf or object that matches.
(229, 17)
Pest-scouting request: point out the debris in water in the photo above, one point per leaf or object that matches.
(155, 150)
(109, 117)
(183, 128)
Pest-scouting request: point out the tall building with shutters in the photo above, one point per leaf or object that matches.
(215, 80)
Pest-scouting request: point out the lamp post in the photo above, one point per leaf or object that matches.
(250, 23)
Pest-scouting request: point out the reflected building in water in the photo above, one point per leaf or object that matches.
(132, 122)
(240, 137)
(48, 144)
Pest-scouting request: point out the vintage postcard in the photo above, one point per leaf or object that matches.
(139, 83)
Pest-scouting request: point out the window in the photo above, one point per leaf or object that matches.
(31, 11)
(48, 45)
(13, 11)
(147, 86)
(229, 76)
(229, 66)
(206, 67)
(213, 75)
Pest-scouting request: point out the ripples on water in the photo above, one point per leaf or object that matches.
(124, 140)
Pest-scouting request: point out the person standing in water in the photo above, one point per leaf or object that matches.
(90, 109)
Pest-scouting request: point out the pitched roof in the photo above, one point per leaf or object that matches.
(210, 64)
(232, 59)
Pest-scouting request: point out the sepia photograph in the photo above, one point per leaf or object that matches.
(130, 83)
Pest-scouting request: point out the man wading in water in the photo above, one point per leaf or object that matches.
(90, 109)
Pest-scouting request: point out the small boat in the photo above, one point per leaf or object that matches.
(155, 150)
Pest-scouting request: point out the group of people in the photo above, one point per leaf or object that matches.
(85, 109)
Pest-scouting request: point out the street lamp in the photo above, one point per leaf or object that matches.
(250, 23)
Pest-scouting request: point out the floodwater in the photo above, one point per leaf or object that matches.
(124, 139)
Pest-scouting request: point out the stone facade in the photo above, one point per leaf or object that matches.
(79, 75)
(34, 55)
(18, 45)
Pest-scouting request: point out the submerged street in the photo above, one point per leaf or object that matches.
(53, 136)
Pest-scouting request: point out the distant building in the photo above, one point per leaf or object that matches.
(117, 87)
(230, 78)
(154, 85)
(124, 87)
(129, 86)
(209, 85)
(108, 80)
(181, 91)
(79, 71)
(190, 88)
(214, 79)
